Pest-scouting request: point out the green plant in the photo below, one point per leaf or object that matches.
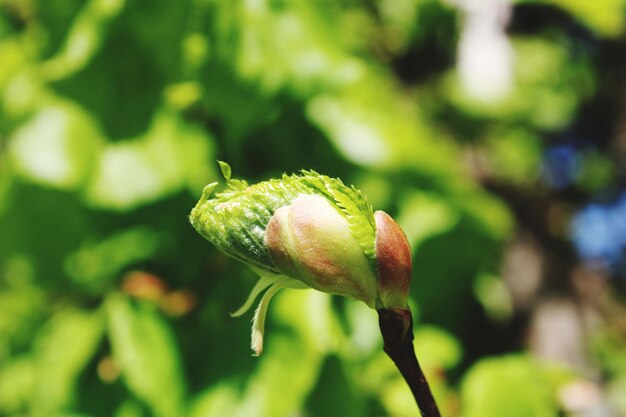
(312, 231)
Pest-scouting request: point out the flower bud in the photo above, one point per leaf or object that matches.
(307, 231)
(311, 241)
(393, 254)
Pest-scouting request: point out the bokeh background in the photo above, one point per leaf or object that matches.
(494, 131)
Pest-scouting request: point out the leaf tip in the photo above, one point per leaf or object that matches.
(226, 170)
(208, 190)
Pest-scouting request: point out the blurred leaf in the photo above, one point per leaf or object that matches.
(13, 58)
(148, 36)
(23, 96)
(71, 415)
(335, 394)
(607, 346)
(274, 390)
(84, 38)
(372, 126)
(20, 87)
(511, 386)
(21, 304)
(445, 271)
(422, 215)
(129, 408)
(18, 379)
(43, 225)
(54, 16)
(547, 89)
(275, 375)
(159, 27)
(308, 314)
(364, 333)
(596, 172)
(515, 155)
(6, 180)
(146, 351)
(57, 147)
(488, 212)
(94, 265)
(376, 187)
(63, 349)
(219, 400)
(397, 398)
(171, 156)
(182, 96)
(298, 35)
(492, 293)
(435, 348)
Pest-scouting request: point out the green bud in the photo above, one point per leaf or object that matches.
(311, 241)
(393, 254)
(306, 231)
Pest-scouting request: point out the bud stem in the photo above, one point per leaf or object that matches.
(396, 326)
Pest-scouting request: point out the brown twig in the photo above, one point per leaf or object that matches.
(396, 326)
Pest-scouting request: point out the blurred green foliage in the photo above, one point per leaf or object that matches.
(112, 114)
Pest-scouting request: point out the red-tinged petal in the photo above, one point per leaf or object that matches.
(310, 240)
(279, 243)
(393, 254)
